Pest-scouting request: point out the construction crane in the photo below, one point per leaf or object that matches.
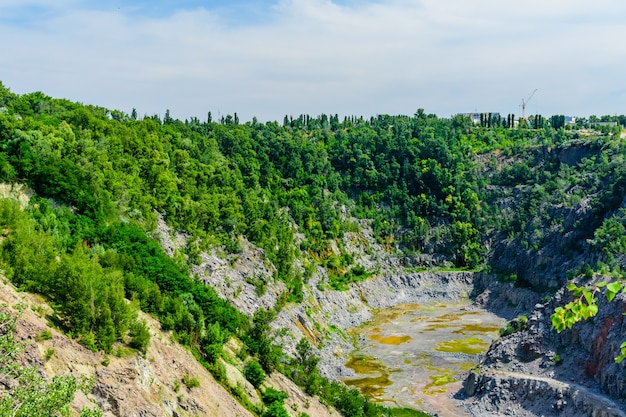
(524, 103)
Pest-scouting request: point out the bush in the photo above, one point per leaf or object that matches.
(48, 354)
(190, 382)
(271, 396)
(514, 326)
(218, 371)
(140, 336)
(44, 335)
(254, 373)
(275, 410)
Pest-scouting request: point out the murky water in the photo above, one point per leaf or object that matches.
(417, 355)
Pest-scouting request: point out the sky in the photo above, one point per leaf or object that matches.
(271, 58)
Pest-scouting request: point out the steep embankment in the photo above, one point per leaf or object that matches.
(547, 223)
(129, 384)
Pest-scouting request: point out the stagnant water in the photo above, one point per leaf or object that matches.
(417, 355)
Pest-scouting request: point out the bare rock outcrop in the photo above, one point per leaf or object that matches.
(537, 371)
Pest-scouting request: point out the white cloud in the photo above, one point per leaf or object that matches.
(314, 56)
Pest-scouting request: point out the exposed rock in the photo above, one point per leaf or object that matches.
(16, 191)
(171, 242)
(539, 372)
(333, 312)
(528, 373)
(575, 153)
(502, 297)
(245, 279)
(508, 393)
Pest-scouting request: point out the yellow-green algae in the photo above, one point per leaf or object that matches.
(466, 366)
(390, 340)
(438, 383)
(448, 320)
(445, 318)
(373, 386)
(477, 328)
(373, 377)
(469, 346)
(382, 316)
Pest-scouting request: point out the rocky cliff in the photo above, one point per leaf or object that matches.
(537, 371)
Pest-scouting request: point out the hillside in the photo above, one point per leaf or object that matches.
(279, 238)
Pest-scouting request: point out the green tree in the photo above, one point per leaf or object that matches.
(271, 395)
(304, 371)
(259, 341)
(140, 336)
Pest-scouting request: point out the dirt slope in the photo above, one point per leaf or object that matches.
(133, 385)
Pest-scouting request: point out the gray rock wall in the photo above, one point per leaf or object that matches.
(540, 372)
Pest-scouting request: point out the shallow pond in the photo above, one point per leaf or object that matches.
(417, 355)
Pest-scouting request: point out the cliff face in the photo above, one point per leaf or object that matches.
(537, 371)
(553, 235)
(130, 385)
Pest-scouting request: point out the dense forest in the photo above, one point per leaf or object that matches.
(440, 186)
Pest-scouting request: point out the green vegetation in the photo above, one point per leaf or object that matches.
(254, 373)
(48, 354)
(274, 400)
(190, 382)
(516, 325)
(430, 185)
(584, 306)
(405, 412)
(44, 335)
(468, 346)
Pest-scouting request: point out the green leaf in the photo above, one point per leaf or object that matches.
(593, 309)
(610, 295)
(571, 287)
(614, 287)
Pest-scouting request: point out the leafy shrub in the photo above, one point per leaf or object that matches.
(254, 373)
(218, 371)
(44, 335)
(190, 382)
(271, 395)
(514, 326)
(140, 336)
(48, 354)
(275, 410)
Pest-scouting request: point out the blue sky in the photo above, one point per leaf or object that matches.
(268, 58)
